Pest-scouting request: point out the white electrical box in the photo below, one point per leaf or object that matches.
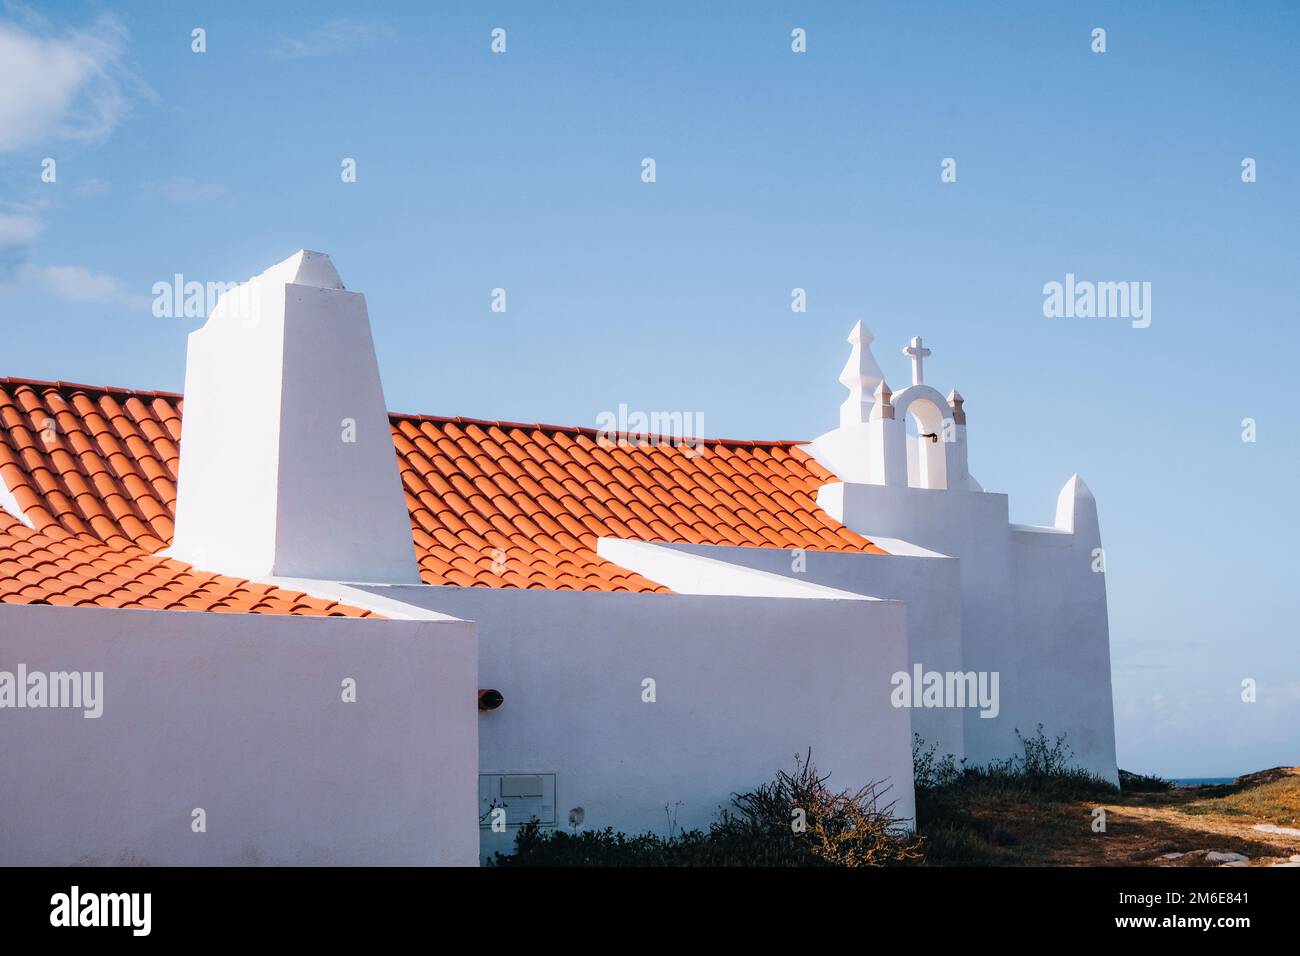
(524, 796)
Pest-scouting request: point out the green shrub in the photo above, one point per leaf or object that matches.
(537, 847)
(959, 807)
(929, 773)
(1143, 783)
(1043, 771)
(793, 820)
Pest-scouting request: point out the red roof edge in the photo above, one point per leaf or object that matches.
(79, 386)
(443, 419)
(597, 432)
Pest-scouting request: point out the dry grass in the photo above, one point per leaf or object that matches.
(1272, 796)
(989, 827)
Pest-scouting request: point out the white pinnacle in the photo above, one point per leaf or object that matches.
(307, 268)
(860, 376)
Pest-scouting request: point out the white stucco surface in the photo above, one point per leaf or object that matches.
(928, 583)
(1032, 609)
(287, 464)
(742, 685)
(708, 570)
(242, 716)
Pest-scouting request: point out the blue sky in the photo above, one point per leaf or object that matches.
(775, 170)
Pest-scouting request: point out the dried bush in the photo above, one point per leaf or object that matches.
(797, 820)
(793, 820)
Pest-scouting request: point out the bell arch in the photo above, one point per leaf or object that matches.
(924, 410)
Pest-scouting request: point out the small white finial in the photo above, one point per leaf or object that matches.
(884, 407)
(860, 376)
(917, 353)
(955, 401)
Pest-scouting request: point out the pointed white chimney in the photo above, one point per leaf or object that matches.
(287, 464)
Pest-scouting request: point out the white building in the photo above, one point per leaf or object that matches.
(298, 611)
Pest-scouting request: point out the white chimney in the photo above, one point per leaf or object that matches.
(287, 464)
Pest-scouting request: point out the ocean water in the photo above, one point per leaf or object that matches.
(1202, 781)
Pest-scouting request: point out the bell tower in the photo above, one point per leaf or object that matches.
(872, 444)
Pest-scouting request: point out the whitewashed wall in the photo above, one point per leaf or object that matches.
(1032, 609)
(743, 685)
(929, 584)
(242, 715)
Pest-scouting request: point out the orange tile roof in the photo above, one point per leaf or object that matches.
(94, 470)
(493, 504)
(52, 566)
(504, 504)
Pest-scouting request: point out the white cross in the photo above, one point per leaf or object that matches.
(917, 355)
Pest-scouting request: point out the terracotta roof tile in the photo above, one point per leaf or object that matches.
(561, 490)
(493, 504)
(95, 471)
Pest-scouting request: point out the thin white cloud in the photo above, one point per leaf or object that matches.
(93, 186)
(184, 191)
(78, 284)
(57, 87)
(344, 35)
(17, 231)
